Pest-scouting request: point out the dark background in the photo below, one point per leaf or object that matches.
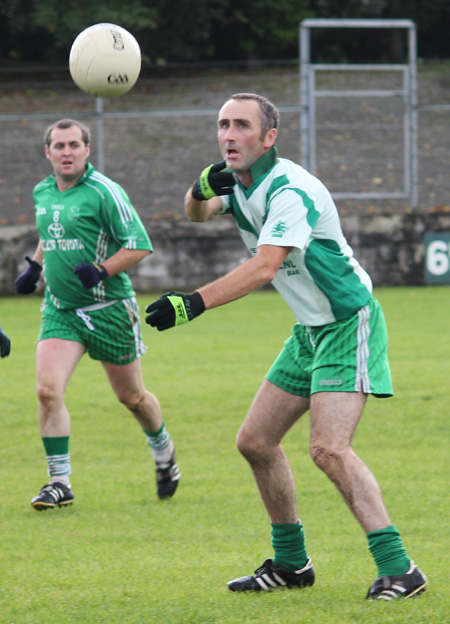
(41, 31)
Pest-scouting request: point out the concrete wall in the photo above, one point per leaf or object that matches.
(187, 255)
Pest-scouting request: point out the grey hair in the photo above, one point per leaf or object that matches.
(270, 117)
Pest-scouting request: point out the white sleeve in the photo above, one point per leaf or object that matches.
(290, 220)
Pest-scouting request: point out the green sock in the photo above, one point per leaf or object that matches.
(58, 458)
(288, 541)
(388, 551)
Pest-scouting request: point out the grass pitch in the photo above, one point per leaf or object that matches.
(119, 555)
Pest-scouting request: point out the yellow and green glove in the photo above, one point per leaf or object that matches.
(174, 308)
(213, 181)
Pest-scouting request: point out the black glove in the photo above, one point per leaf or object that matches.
(90, 274)
(26, 282)
(5, 344)
(174, 308)
(213, 181)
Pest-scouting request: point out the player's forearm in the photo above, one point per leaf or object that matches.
(38, 255)
(123, 260)
(200, 211)
(246, 278)
(249, 276)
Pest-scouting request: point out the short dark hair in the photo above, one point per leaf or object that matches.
(63, 124)
(270, 117)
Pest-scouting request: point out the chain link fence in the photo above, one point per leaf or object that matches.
(157, 138)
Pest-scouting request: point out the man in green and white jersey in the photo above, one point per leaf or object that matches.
(335, 357)
(89, 236)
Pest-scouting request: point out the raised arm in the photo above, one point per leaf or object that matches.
(199, 211)
(202, 200)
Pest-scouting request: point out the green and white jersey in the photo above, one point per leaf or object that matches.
(87, 223)
(286, 206)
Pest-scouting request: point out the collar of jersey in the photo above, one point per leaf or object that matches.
(86, 174)
(260, 169)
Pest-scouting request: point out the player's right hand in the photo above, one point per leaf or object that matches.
(213, 181)
(174, 308)
(5, 344)
(26, 282)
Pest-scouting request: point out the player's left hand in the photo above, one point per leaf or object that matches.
(213, 181)
(174, 308)
(5, 344)
(90, 273)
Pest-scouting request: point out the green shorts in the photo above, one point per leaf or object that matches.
(346, 356)
(110, 334)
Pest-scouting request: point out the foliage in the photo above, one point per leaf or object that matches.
(259, 29)
(431, 21)
(44, 30)
(214, 30)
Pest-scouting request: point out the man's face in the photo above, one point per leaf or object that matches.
(67, 153)
(240, 134)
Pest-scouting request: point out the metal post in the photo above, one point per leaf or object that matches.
(407, 146)
(308, 95)
(312, 121)
(413, 115)
(304, 96)
(100, 144)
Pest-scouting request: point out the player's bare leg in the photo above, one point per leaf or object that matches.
(334, 418)
(271, 415)
(128, 385)
(273, 412)
(56, 360)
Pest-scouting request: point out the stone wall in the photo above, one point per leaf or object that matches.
(187, 255)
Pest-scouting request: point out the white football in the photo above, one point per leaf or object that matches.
(105, 60)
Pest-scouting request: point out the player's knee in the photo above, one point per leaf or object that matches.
(132, 400)
(325, 458)
(250, 446)
(47, 393)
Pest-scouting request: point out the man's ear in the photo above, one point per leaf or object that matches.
(270, 138)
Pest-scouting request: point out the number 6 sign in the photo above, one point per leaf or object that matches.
(437, 258)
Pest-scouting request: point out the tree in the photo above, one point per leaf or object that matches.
(218, 30)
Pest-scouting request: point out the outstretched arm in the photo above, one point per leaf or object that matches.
(249, 276)
(176, 308)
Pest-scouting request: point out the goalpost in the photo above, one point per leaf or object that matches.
(405, 93)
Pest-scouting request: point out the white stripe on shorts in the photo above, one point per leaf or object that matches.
(362, 381)
(132, 309)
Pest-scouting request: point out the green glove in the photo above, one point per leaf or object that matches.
(174, 308)
(213, 181)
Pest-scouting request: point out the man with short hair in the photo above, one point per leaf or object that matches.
(89, 236)
(335, 357)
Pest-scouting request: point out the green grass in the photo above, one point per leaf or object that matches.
(120, 555)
